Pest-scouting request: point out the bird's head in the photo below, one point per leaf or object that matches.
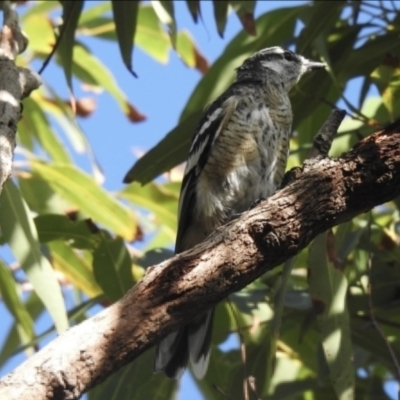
(288, 66)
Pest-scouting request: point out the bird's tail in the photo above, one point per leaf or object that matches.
(191, 342)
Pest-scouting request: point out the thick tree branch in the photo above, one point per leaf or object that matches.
(326, 194)
(15, 84)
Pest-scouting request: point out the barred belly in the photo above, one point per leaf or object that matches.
(247, 162)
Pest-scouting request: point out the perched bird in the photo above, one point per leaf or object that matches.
(237, 156)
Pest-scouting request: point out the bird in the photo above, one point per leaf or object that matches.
(237, 156)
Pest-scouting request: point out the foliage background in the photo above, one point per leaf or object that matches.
(97, 267)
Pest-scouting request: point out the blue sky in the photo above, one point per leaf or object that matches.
(160, 92)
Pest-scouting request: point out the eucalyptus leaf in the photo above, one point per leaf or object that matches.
(20, 233)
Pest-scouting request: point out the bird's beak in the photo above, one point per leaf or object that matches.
(310, 65)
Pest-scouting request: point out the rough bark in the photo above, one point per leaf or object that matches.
(16, 83)
(325, 193)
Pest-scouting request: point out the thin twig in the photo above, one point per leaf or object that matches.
(373, 5)
(252, 383)
(384, 14)
(363, 118)
(220, 391)
(323, 139)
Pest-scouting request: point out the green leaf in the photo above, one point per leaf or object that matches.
(157, 199)
(194, 9)
(169, 152)
(186, 49)
(279, 301)
(387, 79)
(40, 196)
(39, 126)
(81, 190)
(112, 267)
(319, 20)
(293, 389)
(71, 12)
(63, 115)
(91, 14)
(20, 233)
(346, 239)
(328, 288)
(220, 15)
(12, 300)
(150, 36)
(136, 381)
(40, 31)
(245, 11)
(363, 60)
(162, 238)
(74, 267)
(125, 17)
(59, 227)
(221, 373)
(43, 7)
(166, 14)
(34, 307)
(90, 70)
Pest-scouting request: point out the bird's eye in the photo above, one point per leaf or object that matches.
(288, 56)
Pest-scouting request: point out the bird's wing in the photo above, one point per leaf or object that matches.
(211, 124)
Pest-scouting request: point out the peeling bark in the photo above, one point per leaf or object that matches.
(16, 83)
(326, 192)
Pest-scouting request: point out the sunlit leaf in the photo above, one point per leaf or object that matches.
(91, 14)
(185, 49)
(40, 31)
(387, 79)
(81, 190)
(150, 36)
(20, 233)
(166, 14)
(89, 69)
(328, 288)
(40, 196)
(41, 7)
(34, 307)
(40, 128)
(13, 302)
(245, 11)
(73, 268)
(155, 198)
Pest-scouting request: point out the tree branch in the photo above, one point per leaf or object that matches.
(15, 84)
(328, 193)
